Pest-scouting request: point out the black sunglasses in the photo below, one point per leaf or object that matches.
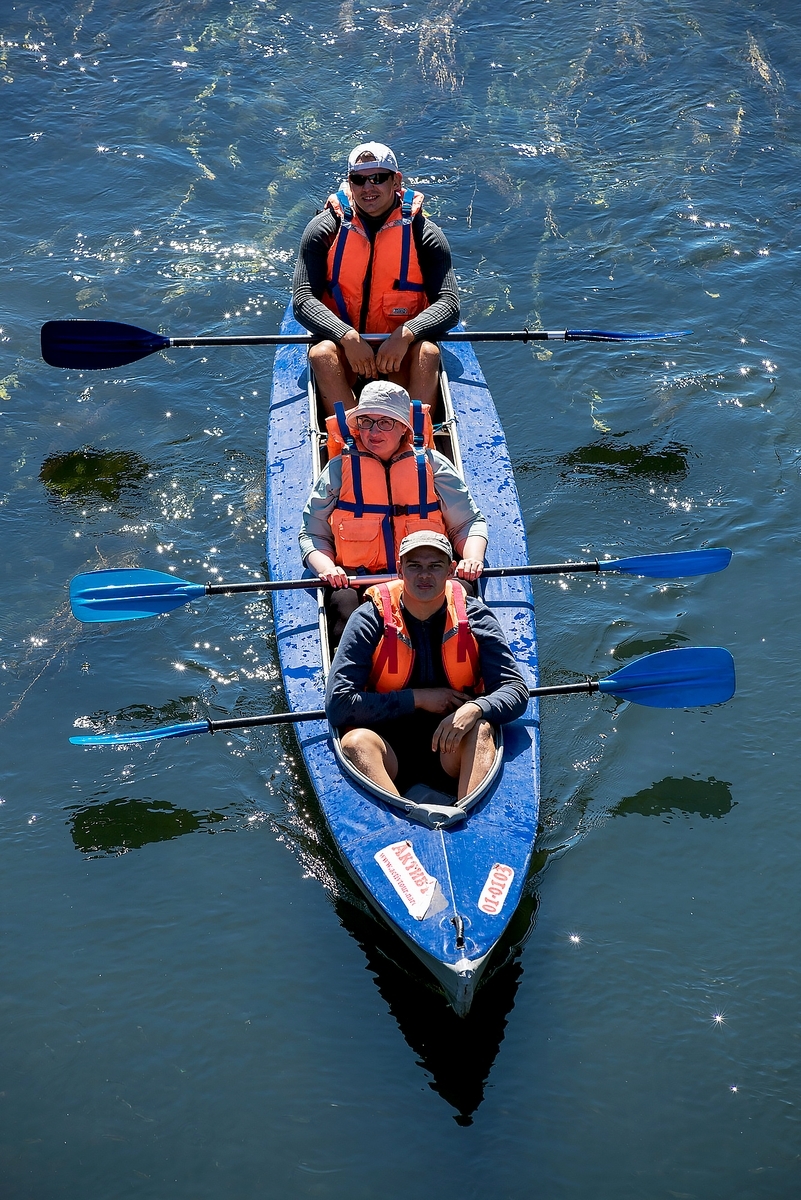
(379, 177)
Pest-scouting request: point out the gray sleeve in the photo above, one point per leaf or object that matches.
(505, 691)
(311, 274)
(347, 702)
(315, 531)
(462, 517)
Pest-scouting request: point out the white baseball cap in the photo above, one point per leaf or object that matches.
(382, 399)
(382, 158)
(426, 537)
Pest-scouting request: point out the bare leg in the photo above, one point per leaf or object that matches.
(472, 759)
(419, 372)
(371, 755)
(333, 374)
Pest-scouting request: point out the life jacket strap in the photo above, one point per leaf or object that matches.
(388, 654)
(402, 284)
(336, 268)
(465, 645)
(353, 458)
(347, 207)
(420, 455)
(391, 510)
(343, 427)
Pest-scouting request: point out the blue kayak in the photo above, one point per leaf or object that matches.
(445, 879)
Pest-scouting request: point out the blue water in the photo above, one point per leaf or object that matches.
(193, 1003)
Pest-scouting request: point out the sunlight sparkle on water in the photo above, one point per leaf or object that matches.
(575, 938)
(718, 1019)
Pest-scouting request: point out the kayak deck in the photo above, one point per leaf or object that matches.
(448, 893)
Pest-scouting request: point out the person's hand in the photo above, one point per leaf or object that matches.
(469, 568)
(390, 354)
(325, 567)
(359, 354)
(336, 577)
(438, 700)
(449, 733)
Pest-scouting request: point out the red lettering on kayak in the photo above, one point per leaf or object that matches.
(408, 877)
(496, 889)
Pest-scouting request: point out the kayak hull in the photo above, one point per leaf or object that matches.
(447, 893)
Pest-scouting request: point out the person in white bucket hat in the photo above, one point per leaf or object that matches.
(357, 515)
(372, 262)
(420, 678)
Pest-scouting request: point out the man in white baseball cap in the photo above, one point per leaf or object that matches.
(421, 676)
(372, 262)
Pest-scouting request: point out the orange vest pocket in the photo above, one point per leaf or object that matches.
(413, 524)
(399, 307)
(359, 543)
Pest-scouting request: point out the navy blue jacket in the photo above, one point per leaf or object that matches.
(348, 703)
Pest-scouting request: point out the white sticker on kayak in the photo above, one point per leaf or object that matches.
(408, 876)
(496, 889)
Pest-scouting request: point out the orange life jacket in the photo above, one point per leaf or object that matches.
(374, 286)
(393, 659)
(380, 503)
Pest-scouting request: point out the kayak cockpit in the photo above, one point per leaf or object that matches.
(422, 803)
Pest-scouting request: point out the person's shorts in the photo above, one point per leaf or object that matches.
(410, 738)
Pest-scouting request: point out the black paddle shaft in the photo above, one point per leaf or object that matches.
(305, 339)
(588, 686)
(224, 589)
(266, 719)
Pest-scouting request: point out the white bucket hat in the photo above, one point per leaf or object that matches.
(426, 537)
(382, 159)
(381, 398)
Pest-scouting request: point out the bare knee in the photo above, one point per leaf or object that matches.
(357, 741)
(324, 355)
(427, 355)
(364, 746)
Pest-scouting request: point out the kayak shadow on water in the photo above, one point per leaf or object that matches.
(457, 1052)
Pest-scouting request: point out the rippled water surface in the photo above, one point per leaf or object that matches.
(194, 1003)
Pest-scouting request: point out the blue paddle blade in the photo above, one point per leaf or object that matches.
(683, 678)
(672, 566)
(147, 735)
(110, 595)
(94, 345)
(600, 335)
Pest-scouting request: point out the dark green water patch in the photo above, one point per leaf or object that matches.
(621, 460)
(635, 647)
(695, 797)
(89, 475)
(124, 824)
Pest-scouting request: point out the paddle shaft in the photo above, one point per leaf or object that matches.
(566, 689)
(318, 714)
(491, 335)
(361, 581)
(266, 719)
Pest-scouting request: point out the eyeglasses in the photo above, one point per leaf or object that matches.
(378, 177)
(365, 424)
